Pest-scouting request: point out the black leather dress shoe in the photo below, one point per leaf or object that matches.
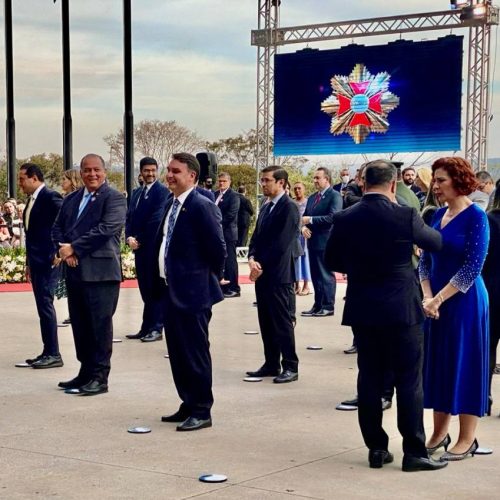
(93, 388)
(152, 336)
(285, 377)
(352, 350)
(322, 313)
(414, 464)
(134, 336)
(377, 458)
(48, 362)
(194, 424)
(178, 416)
(30, 361)
(74, 383)
(232, 295)
(263, 371)
(309, 313)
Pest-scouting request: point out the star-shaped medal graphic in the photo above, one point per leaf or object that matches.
(360, 103)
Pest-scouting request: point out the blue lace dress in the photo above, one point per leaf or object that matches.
(456, 355)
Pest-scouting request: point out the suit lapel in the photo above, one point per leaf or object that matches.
(90, 207)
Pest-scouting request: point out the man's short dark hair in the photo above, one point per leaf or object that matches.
(32, 170)
(327, 173)
(189, 160)
(92, 155)
(379, 173)
(147, 160)
(408, 168)
(242, 189)
(278, 172)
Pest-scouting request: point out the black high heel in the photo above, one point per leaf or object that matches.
(444, 443)
(490, 404)
(455, 457)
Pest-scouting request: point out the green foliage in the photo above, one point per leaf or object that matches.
(52, 168)
(241, 175)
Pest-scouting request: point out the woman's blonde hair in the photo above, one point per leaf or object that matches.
(425, 176)
(73, 176)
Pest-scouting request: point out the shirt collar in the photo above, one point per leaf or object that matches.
(277, 197)
(182, 197)
(149, 186)
(37, 191)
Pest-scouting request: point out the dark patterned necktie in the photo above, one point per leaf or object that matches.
(170, 230)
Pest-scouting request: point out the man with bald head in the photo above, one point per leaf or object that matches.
(87, 232)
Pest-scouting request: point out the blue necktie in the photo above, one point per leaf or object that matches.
(83, 204)
(170, 230)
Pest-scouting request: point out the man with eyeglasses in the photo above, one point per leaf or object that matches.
(486, 185)
(228, 202)
(271, 262)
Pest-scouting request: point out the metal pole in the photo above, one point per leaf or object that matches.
(67, 120)
(128, 116)
(10, 125)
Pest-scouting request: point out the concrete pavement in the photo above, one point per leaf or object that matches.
(272, 441)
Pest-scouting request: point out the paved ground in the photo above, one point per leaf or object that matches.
(272, 441)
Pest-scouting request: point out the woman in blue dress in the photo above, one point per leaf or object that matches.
(456, 303)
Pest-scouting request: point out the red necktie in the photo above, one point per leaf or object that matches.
(317, 199)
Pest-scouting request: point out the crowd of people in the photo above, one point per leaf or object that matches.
(386, 230)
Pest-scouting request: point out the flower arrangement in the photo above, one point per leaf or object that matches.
(13, 264)
(128, 263)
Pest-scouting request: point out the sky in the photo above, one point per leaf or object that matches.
(192, 63)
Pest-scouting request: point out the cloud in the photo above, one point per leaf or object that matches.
(192, 62)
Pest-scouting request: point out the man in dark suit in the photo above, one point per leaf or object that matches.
(87, 231)
(207, 193)
(245, 213)
(271, 261)
(146, 209)
(229, 203)
(372, 242)
(189, 266)
(317, 222)
(344, 181)
(39, 215)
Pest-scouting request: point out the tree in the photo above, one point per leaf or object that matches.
(239, 150)
(51, 165)
(159, 139)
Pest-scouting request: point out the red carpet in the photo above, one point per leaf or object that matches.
(26, 287)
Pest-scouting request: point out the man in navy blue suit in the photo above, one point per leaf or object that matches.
(317, 223)
(146, 209)
(190, 262)
(87, 231)
(229, 203)
(271, 260)
(39, 215)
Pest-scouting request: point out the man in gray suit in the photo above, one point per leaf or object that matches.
(87, 232)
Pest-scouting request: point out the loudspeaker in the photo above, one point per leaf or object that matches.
(208, 166)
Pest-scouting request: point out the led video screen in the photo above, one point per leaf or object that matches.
(401, 97)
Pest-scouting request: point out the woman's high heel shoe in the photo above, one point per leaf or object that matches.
(455, 457)
(444, 443)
